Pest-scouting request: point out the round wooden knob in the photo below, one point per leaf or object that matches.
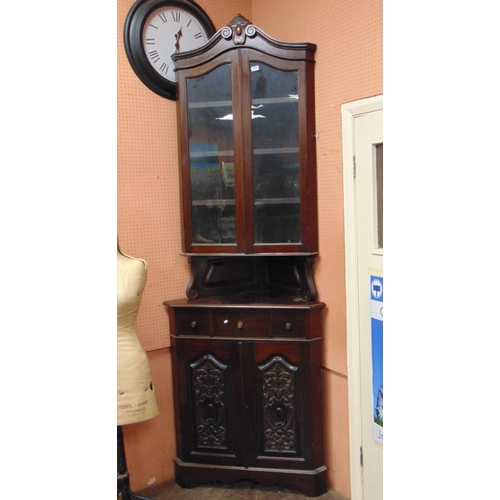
(240, 324)
(193, 324)
(288, 326)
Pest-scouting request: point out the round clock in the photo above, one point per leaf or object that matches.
(156, 29)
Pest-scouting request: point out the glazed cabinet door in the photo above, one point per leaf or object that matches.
(209, 400)
(248, 155)
(277, 162)
(210, 153)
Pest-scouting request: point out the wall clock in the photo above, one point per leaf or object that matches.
(156, 29)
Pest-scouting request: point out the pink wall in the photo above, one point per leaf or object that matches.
(348, 67)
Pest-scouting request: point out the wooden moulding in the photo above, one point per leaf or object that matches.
(311, 483)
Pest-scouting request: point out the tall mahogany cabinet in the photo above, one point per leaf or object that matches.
(247, 340)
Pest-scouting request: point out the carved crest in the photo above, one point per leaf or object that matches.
(238, 29)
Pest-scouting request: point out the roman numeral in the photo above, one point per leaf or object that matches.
(187, 26)
(163, 17)
(176, 16)
(153, 26)
(150, 41)
(164, 68)
(154, 56)
(198, 35)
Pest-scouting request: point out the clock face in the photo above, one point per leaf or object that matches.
(169, 30)
(156, 29)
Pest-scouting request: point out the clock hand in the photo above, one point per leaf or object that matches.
(177, 38)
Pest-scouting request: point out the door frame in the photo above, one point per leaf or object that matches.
(349, 111)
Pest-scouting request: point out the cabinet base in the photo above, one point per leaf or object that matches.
(310, 482)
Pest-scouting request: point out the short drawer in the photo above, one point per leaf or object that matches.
(290, 324)
(242, 323)
(192, 322)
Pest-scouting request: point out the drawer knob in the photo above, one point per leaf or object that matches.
(288, 326)
(193, 324)
(240, 324)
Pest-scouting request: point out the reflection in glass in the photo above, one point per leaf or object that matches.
(211, 157)
(275, 137)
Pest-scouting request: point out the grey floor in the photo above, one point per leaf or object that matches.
(243, 490)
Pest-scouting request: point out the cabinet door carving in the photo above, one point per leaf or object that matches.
(279, 402)
(208, 399)
(209, 394)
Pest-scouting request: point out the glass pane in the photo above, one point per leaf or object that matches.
(275, 135)
(211, 157)
(379, 148)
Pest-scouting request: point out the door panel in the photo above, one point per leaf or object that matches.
(278, 171)
(368, 149)
(211, 149)
(278, 403)
(211, 405)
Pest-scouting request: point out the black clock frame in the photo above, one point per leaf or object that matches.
(132, 38)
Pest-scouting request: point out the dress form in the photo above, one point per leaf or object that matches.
(135, 392)
(136, 399)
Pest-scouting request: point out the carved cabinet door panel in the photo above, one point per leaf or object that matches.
(249, 403)
(278, 381)
(210, 401)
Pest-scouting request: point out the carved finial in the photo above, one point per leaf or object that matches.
(238, 29)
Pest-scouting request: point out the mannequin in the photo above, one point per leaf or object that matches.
(135, 392)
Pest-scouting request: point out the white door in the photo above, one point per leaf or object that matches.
(363, 199)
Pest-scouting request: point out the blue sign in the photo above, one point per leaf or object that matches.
(377, 333)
